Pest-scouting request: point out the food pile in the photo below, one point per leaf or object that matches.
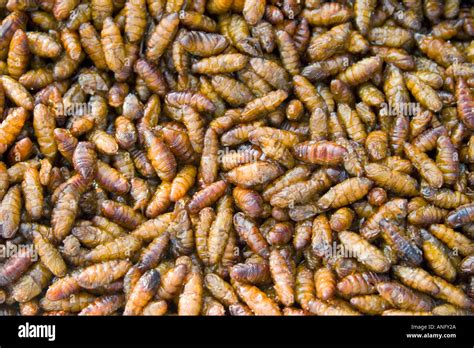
(236, 157)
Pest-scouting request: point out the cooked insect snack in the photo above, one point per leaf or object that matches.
(247, 157)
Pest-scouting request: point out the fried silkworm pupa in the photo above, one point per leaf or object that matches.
(452, 294)
(257, 300)
(454, 240)
(110, 179)
(362, 12)
(370, 304)
(444, 53)
(10, 211)
(151, 229)
(211, 307)
(102, 274)
(299, 118)
(357, 43)
(376, 144)
(377, 196)
(282, 277)
(152, 77)
(426, 166)
(464, 103)
(320, 152)
(249, 201)
(66, 142)
(135, 20)
(220, 289)
(104, 305)
(341, 219)
(344, 193)
(302, 192)
(276, 151)
(125, 132)
(260, 106)
(467, 265)
(160, 201)
(391, 180)
(250, 233)
(160, 156)
(196, 100)
(319, 307)
(390, 35)
(203, 44)
(122, 247)
(152, 254)
(107, 225)
(142, 292)
(253, 11)
(32, 283)
(325, 282)
(18, 54)
(49, 255)
(287, 138)
(66, 208)
(426, 215)
(91, 44)
(155, 308)
(33, 193)
(183, 181)
(221, 64)
(403, 298)
(75, 303)
(304, 286)
(104, 142)
(207, 196)
(288, 52)
(327, 44)
(209, 166)
(302, 236)
(11, 127)
(253, 174)
(271, 72)
(179, 143)
(360, 71)
(405, 249)
(190, 299)
(449, 309)
(436, 255)
(360, 283)
(172, 282)
(4, 180)
(365, 252)
(91, 236)
(325, 68)
(292, 176)
(84, 160)
(220, 229)
(62, 288)
(425, 94)
(399, 134)
(15, 266)
(416, 278)
(12, 22)
(202, 226)
(342, 92)
(43, 45)
(461, 216)
(254, 271)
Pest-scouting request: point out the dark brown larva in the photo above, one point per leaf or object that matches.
(214, 157)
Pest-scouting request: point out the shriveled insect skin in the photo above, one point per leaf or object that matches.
(212, 158)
